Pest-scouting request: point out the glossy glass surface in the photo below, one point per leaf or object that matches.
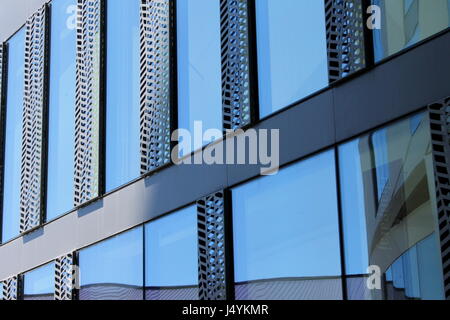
(13, 144)
(171, 256)
(39, 284)
(123, 107)
(286, 226)
(406, 22)
(389, 218)
(199, 67)
(292, 51)
(113, 269)
(61, 137)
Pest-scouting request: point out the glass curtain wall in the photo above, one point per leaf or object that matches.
(389, 213)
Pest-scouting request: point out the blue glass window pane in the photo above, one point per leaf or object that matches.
(171, 256)
(199, 66)
(405, 23)
(113, 269)
(292, 51)
(39, 284)
(13, 144)
(353, 206)
(61, 138)
(123, 108)
(286, 225)
(388, 211)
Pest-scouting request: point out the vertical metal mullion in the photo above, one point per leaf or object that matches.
(253, 58)
(369, 49)
(103, 97)
(45, 115)
(3, 91)
(229, 245)
(173, 71)
(144, 284)
(340, 224)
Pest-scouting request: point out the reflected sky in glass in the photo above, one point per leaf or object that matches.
(353, 208)
(13, 144)
(199, 65)
(171, 250)
(405, 23)
(287, 225)
(123, 108)
(118, 260)
(40, 281)
(61, 138)
(292, 52)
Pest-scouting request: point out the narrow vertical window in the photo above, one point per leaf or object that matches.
(122, 102)
(113, 269)
(292, 51)
(171, 259)
(286, 234)
(13, 154)
(39, 284)
(61, 137)
(199, 67)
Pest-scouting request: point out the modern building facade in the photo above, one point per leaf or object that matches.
(93, 207)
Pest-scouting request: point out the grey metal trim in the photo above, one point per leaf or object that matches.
(88, 101)
(439, 114)
(66, 277)
(345, 37)
(155, 84)
(31, 211)
(235, 64)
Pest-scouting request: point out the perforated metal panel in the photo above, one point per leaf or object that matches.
(155, 84)
(12, 288)
(235, 64)
(345, 37)
(212, 247)
(87, 111)
(66, 277)
(439, 114)
(33, 120)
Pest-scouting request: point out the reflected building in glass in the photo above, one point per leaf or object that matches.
(95, 96)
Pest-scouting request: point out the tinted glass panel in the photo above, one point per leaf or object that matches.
(39, 284)
(113, 269)
(292, 52)
(286, 235)
(406, 22)
(390, 220)
(199, 66)
(61, 138)
(13, 144)
(171, 255)
(123, 130)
